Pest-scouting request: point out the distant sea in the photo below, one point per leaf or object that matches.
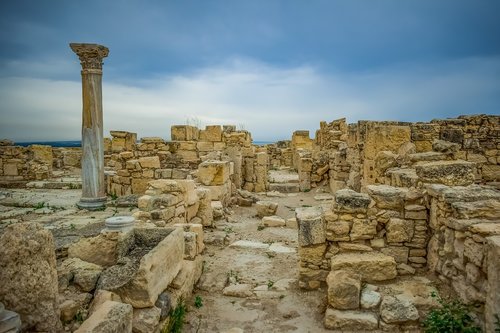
(79, 143)
(51, 143)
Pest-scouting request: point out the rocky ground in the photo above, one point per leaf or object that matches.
(249, 282)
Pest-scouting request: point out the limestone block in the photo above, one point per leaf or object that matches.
(273, 221)
(397, 310)
(212, 133)
(183, 133)
(238, 290)
(101, 250)
(363, 229)
(85, 274)
(415, 212)
(491, 172)
(311, 225)
(292, 223)
(10, 169)
(152, 162)
(312, 254)
(399, 253)
(156, 270)
(372, 266)
(387, 197)
(347, 200)
(110, 317)
(352, 321)
(305, 165)
(492, 305)
(344, 288)
(369, 298)
(381, 137)
(188, 155)
(474, 252)
(261, 158)
(183, 284)
(385, 160)
(484, 209)
(100, 297)
(198, 230)
(220, 192)
(140, 185)
(145, 320)
(446, 147)
(217, 209)
(451, 173)
(205, 146)
(399, 230)
(190, 246)
(205, 212)
(338, 230)
(213, 172)
(28, 276)
(266, 208)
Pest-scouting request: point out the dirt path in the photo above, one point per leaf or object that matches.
(274, 302)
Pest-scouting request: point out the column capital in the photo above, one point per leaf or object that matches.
(90, 55)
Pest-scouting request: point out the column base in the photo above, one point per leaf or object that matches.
(92, 203)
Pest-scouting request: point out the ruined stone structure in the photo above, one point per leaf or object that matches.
(405, 201)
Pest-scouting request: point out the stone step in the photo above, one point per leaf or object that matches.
(451, 173)
(52, 185)
(403, 177)
(427, 157)
(284, 187)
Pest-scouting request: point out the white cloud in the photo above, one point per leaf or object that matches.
(271, 102)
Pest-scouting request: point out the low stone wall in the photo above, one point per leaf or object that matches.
(463, 250)
(25, 163)
(388, 222)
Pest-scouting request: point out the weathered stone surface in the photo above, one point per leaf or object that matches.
(397, 310)
(484, 209)
(311, 225)
(152, 162)
(363, 229)
(238, 290)
(372, 266)
(102, 296)
(387, 197)
(399, 253)
(445, 146)
(10, 321)
(85, 274)
(492, 306)
(266, 208)
(452, 173)
(350, 201)
(399, 230)
(273, 221)
(213, 172)
(355, 321)
(369, 299)
(110, 317)
(145, 320)
(101, 250)
(28, 276)
(140, 286)
(343, 289)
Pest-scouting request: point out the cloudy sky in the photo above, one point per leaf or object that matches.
(268, 66)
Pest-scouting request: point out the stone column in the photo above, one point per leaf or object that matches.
(93, 186)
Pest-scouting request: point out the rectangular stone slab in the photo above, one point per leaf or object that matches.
(372, 267)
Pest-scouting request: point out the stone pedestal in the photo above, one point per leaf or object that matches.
(93, 185)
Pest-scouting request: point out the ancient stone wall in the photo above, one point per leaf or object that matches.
(463, 222)
(132, 166)
(25, 163)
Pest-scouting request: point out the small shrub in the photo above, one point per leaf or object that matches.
(260, 227)
(198, 301)
(176, 320)
(40, 205)
(270, 283)
(452, 317)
